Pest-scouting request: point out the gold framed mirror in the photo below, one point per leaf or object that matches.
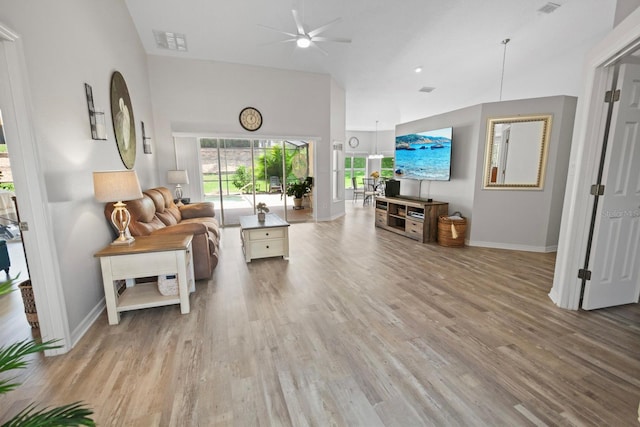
(516, 152)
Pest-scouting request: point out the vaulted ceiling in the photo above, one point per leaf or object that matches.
(458, 43)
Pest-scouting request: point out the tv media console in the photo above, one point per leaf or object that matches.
(413, 218)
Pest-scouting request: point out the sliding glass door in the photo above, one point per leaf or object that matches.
(239, 173)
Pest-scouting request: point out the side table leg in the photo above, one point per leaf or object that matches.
(183, 282)
(110, 296)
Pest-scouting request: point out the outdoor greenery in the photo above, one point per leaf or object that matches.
(13, 357)
(270, 163)
(242, 177)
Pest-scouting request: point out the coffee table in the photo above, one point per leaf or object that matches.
(264, 239)
(146, 256)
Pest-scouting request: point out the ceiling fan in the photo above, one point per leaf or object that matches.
(305, 39)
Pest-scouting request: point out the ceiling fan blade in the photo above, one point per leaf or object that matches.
(298, 22)
(277, 41)
(320, 49)
(278, 31)
(330, 39)
(324, 27)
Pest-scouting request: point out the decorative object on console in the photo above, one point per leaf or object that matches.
(123, 123)
(109, 186)
(178, 177)
(146, 145)
(263, 209)
(96, 117)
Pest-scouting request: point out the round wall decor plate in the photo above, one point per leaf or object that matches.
(123, 123)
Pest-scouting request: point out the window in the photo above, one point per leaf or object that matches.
(338, 173)
(386, 167)
(355, 167)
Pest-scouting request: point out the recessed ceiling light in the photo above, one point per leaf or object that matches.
(170, 40)
(418, 69)
(427, 89)
(549, 7)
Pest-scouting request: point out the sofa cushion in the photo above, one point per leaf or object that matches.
(198, 210)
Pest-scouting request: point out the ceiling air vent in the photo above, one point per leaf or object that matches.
(171, 41)
(549, 7)
(427, 89)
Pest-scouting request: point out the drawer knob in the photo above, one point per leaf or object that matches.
(267, 246)
(267, 234)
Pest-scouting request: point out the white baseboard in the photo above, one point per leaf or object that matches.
(86, 323)
(513, 247)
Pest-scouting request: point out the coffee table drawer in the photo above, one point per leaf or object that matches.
(267, 248)
(272, 233)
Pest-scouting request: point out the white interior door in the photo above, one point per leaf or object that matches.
(615, 260)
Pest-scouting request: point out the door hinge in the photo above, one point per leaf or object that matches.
(584, 274)
(612, 96)
(597, 189)
(23, 225)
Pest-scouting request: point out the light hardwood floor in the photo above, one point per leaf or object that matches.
(359, 327)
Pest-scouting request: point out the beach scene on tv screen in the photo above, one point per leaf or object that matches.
(424, 155)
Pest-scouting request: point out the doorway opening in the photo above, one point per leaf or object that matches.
(237, 174)
(11, 306)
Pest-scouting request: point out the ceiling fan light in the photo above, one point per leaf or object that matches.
(303, 42)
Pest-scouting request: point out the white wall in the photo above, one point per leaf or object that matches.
(459, 191)
(65, 45)
(338, 126)
(205, 97)
(512, 219)
(524, 219)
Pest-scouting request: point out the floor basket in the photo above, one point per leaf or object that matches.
(29, 303)
(451, 232)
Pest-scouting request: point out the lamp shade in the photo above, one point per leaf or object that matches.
(112, 186)
(177, 177)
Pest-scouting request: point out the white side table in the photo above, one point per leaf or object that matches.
(264, 239)
(147, 256)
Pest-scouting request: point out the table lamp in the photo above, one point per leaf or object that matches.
(118, 185)
(178, 177)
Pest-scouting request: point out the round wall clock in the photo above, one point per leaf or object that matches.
(353, 142)
(250, 119)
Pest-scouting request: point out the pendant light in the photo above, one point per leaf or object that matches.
(504, 57)
(376, 155)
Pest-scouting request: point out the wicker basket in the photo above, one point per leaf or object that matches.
(451, 232)
(29, 303)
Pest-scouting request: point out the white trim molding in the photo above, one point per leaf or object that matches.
(39, 241)
(583, 163)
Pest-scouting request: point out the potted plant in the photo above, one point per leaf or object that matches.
(16, 356)
(262, 210)
(298, 190)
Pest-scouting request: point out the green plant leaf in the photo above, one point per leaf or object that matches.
(12, 357)
(6, 286)
(74, 414)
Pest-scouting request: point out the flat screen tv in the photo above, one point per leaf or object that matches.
(424, 155)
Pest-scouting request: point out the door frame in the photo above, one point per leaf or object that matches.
(585, 158)
(38, 241)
